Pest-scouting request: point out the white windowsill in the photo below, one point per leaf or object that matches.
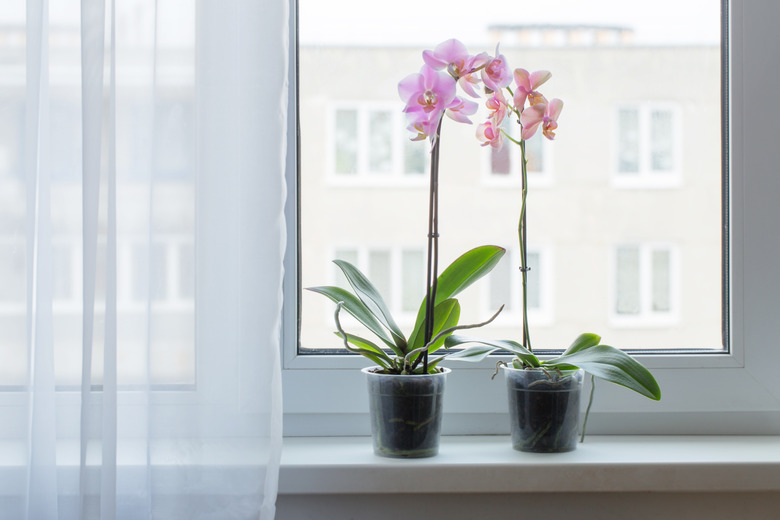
(488, 464)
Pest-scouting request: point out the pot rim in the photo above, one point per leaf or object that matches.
(371, 371)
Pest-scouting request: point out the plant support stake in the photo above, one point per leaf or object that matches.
(433, 246)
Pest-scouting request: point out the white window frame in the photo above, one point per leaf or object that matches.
(543, 315)
(733, 392)
(646, 177)
(646, 316)
(394, 298)
(364, 177)
(543, 178)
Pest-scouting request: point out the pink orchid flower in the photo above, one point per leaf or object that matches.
(541, 114)
(496, 74)
(428, 91)
(496, 103)
(453, 56)
(423, 128)
(470, 77)
(427, 95)
(489, 133)
(460, 109)
(527, 83)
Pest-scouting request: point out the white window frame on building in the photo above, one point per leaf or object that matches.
(645, 311)
(393, 292)
(541, 263)
(399, 146)
(646, 173)
(537, 177)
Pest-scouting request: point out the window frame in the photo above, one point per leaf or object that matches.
(543, 178)
(393, 298)
(364, 177)
(646, 317)
(646, 177)
(704, 392)
(544, 314)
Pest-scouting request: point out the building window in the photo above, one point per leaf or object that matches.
(398, 274)
(644, 284)
(505, 286)
(504, 164)
(370, 143)
(648, 153)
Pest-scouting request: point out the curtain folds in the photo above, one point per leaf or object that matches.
(142, 236)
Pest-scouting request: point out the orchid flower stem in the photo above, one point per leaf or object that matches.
(522, 238)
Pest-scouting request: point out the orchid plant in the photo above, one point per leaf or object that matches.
(508, 94)
(429, 95)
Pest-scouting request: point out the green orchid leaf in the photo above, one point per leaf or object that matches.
(472, 354)
(445, 316)
(432, 366)
(464, 271)
(583, 341)
(612, 365)
(373, 301)
(364, 343)
(354, 306)
(525, 355)
(367, 349)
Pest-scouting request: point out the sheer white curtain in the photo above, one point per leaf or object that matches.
(142, 147)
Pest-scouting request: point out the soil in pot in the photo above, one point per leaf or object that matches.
(406, 413)
(544, 409)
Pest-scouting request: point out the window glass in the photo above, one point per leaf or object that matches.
(644, 284)
(413, 269)
(661, 281)
(346, 137)
(626, 171)
(661, 140)
(380, 157)
(415, 158)
(506, 160)
(627, 289)
(628, 130)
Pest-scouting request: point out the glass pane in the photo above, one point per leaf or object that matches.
(661, 281)
(380, 158)
(501, 158)
(533, 279)
(349, 255)
(379, 272)
(613, 64)
(627, 284)
(500, 163)
(661, 140)
(346, 135)
(415, 158)
(534, 154)
(501, 286)
(412, 291)
(628, 141)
